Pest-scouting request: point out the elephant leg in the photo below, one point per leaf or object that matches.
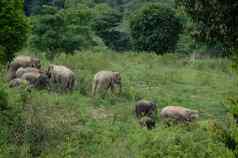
(94, 87)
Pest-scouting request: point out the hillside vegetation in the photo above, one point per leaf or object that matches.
(180, 53)
(57, 124)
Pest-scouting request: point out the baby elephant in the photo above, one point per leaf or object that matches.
(145, 108)
(178, 114)
(17, 82)
(22, 61)
(105, 80)
(61, 75)
(147, 122)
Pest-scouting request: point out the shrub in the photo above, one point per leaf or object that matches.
(47, 30)
(233, 107)
(105, 26)
(226, 132)
(13, 26)
(183, 142)
(155, 28)
(68, 30)
(77, 29)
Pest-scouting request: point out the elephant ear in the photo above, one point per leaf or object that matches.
(114, 77)
(117, 76)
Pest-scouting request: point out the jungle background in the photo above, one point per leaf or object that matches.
(174, 52)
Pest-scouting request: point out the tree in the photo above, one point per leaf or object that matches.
(106, 25)
(155, 28)
(33, 7)
(216, 21)
(77, 28)
(62, 30)
(13, 26)
(47, 30)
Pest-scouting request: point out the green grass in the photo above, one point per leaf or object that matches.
(77, 125)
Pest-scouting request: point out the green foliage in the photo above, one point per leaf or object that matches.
(181, 142)
(234, 64)
(106, 26)
(68, 30)
(13, 26)
(3, 100)
(232, 106)
(226, 132)
(49, 124)
(77, 29)
(47, 30)
(3, 55)
(34, 7)
(215, 20)
(155, 28)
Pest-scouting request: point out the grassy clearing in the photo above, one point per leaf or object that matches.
(76, 125)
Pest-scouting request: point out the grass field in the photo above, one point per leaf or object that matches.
(77, 125)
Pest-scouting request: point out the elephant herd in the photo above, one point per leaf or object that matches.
(27, 70)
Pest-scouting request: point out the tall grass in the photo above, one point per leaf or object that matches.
(74, 124)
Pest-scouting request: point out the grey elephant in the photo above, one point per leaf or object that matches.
(22, 70)
(61, 75)
(36, 79)
(22, 61)
(145, 108)
(178, 114)
(105, 80)
(147, 122)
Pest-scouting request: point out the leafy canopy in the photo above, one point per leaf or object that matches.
(13, 27)
(216, 21)
(62, 30)
(155, 28)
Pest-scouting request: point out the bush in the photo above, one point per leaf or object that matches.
(13, 26)
(77, 29)
(68, 30)
(232, 107)
(155, 28)
(105, 26)
(116, 40)
(226, 132)
(183, 142)
(47, 30)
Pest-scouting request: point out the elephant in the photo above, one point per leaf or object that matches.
(22, 70)
(61, 75)
(22, 61)
(147, 122)
(36, 79)
(103, 80)
(145, 108)
(17, 82)
(178, 114)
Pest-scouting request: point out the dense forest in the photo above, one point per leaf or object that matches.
(118, 78)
